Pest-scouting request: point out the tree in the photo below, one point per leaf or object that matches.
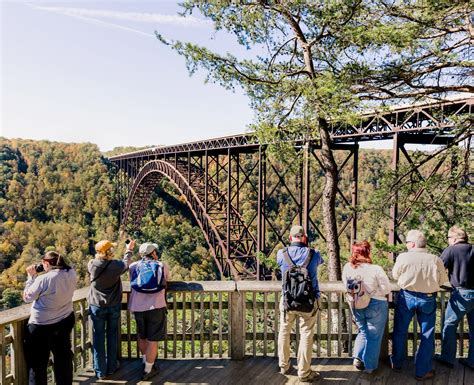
(10, 298)
(312, 64)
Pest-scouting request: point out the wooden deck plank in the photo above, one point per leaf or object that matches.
(264, 370)
(442, 374)
(458, 374)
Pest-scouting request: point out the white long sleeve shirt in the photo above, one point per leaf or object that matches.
(374, 277)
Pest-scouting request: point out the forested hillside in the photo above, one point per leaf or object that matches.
(62, 196)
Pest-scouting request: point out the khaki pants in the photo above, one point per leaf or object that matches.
(305, 350)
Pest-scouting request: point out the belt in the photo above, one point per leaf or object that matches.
(419, 294)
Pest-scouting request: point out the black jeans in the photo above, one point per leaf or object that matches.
(40, 341)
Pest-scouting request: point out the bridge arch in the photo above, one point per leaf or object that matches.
(137, 201)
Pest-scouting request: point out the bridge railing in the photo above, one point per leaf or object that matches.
(213, 319)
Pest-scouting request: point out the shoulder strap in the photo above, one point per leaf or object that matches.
(287, 258)
(100, 272)
(308, 259)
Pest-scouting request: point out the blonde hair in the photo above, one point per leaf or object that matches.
(458, 233)
(105, 256)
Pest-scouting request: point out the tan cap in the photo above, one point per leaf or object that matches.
(297, 231)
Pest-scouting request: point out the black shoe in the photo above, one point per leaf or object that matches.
(438, 358)
(311, 377)
(464, 362)
(427, 376)
(396, 369)
(358, 364)
(152, 373)
(117, 367)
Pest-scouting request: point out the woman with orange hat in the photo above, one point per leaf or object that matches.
(105, 301)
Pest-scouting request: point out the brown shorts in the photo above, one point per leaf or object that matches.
(151, 324)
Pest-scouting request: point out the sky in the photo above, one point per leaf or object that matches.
(85, 71)
(93, 71)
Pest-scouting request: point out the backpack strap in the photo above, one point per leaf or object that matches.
(308, 259)
(287, 257)
(102, 271)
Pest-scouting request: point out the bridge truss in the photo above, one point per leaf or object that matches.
(230, 183)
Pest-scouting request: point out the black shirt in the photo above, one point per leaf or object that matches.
(459, 260)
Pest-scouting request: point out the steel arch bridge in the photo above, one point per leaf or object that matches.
(212, 174)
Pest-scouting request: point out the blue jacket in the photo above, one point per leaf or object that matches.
(298, 252)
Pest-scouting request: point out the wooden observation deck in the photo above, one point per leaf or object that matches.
(226, 333)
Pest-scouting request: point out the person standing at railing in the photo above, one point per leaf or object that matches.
(370, 317)
(296, 262)
(51, 320)
(458, 258)
(420, 276)
(148, 279)
(105, 302)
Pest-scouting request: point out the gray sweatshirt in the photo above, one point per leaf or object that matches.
(51, 294)
(106, 290)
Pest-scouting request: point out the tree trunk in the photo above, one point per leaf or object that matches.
(330, 225)
(329, 202)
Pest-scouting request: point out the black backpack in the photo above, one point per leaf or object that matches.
(298, 293)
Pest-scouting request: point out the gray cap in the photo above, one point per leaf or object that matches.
(147, 248)
(297, 231)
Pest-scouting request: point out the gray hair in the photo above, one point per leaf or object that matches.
(458, 233)
(417, 237)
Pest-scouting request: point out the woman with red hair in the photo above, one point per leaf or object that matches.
(371, 315)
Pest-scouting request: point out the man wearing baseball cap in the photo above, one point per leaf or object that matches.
(149, 307)
(298, 254)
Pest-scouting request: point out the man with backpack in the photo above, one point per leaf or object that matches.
(300, 293)
(147, 301)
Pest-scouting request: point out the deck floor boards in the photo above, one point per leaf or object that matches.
(264, 370)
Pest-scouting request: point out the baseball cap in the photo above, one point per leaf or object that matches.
(297, 231)
(147, 248)
(103, 246)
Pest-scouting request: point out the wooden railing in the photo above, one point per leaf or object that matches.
(224, 319)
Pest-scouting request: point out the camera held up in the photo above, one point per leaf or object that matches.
(39, 268)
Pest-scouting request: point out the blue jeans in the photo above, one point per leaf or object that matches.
(371, 323)
(460, 303)
(423, 305)
(105, 323)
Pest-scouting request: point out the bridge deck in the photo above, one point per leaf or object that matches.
(265, 371)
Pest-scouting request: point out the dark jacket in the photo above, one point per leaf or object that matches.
(106, 290)
(459, 260)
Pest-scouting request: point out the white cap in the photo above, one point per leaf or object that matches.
(147, 248)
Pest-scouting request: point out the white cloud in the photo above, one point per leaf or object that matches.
(141, 17)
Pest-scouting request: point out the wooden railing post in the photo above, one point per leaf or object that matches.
(20, 369)
(237, 325)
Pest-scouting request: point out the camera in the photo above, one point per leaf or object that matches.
(39, 268)
(352, 284)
